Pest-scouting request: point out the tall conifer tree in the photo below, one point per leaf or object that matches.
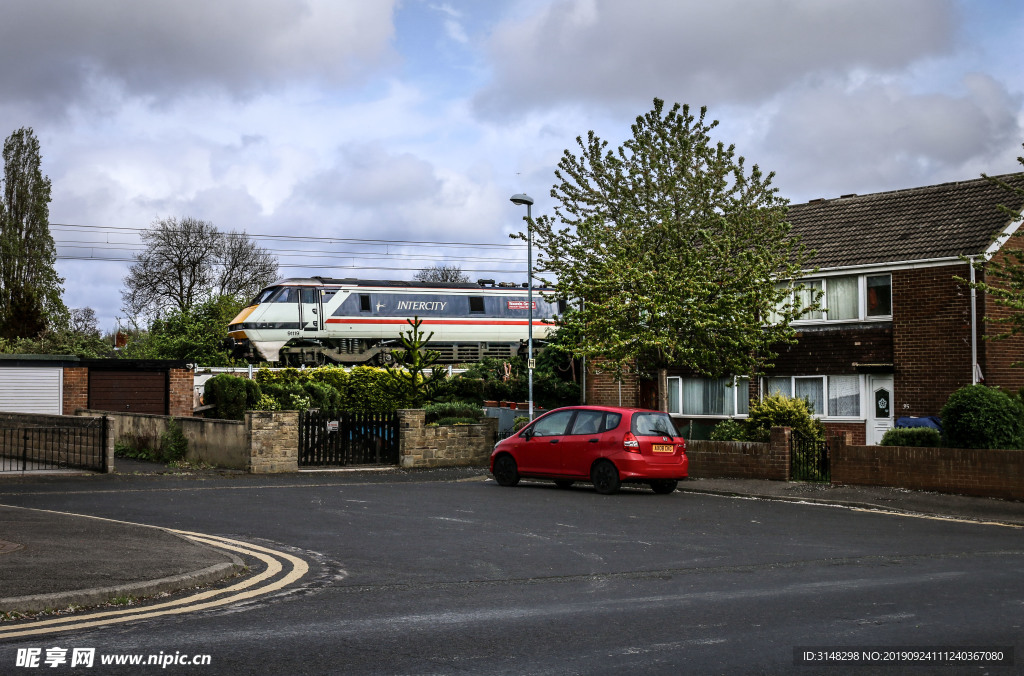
(30, 290)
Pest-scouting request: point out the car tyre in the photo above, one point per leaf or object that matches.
(664, 486)
(605, 477)
(506, 472)
(564, 483)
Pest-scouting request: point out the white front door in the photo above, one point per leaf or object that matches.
(880, 403)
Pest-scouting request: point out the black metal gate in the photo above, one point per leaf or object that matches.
(809, 460)
(343, 438)
(36, 449)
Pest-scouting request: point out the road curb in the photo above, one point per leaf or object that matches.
(850, 504)
(99, 595)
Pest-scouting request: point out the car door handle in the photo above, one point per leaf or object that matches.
(554, 441)
(594, 441)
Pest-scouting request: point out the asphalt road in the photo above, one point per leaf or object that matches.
(419, 576)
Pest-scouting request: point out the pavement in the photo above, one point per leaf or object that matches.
(52, 560)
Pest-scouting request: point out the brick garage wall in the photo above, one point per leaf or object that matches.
(603, 389)
(444, 445)
(75, 389)
(273, 441)
(987, 473)
(180, 395)
(931, 337)
(741, 460)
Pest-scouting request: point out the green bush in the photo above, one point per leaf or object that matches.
(977, 416)
(912, 436)
(372, 390)
(173, 444)
(231, 396)
(454, 409)
(288, 396)
(777, 410)
(455, 421)
(729, 430)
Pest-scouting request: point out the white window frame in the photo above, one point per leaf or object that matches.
(862, 299)
(862, 382)
(736, 387)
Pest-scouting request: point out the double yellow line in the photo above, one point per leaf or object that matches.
(266, 582)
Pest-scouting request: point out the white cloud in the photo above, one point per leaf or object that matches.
(607, 51)
(162, 50)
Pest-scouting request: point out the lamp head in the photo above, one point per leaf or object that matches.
(522, 198)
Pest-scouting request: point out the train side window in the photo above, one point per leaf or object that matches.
(308, 295)
(561, 306)
(476, 304)
(364, 302)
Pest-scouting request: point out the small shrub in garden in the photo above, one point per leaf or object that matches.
(230, 395)
(977, 416)
(729, 430)
(777, 410)
(454, 409)
(173, 444)
(912, 436)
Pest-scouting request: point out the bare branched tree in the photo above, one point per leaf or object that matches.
(187, 262)
(441, 273)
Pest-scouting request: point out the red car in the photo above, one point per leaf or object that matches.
(605, 445)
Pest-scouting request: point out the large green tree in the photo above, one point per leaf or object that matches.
(30, 289)
(196, 335)
(668, 250)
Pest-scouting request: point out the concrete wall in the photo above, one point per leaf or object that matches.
(221, 443)
(74, 450)
(741, 459)
(444, 446)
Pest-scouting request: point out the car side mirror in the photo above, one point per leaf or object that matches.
(528, 434)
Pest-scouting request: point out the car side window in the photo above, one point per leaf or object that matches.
(612, 421)
(553, 424)
(588, 422)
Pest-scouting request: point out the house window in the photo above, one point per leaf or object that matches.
(722, 397)
(832, 396)
(879, 297)
(845, 298)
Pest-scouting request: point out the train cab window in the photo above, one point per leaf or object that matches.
(286, 294)
(264, 296)
(308, 295)
(476, 304)
(364, 302)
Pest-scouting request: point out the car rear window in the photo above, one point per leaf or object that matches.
(653, 425)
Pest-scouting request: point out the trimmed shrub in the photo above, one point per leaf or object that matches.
(912, 436)
(729, 430)
(372, 390)
(231, 395)
(977, 416)
(777, 410)
(455, 409)
(173, 444)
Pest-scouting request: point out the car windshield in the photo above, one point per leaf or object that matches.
(653, 425)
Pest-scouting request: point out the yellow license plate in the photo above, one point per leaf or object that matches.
(663, 448)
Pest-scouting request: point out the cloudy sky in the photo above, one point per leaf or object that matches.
(370, 139)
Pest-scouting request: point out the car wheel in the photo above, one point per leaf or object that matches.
(506, 473)
(605, 477)
(664, 486)
(564, 483)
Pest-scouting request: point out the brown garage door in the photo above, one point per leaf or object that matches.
(131, 391)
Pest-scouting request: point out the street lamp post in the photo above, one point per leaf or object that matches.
(520, 199)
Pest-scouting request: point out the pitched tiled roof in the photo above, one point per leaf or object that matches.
(936, 221)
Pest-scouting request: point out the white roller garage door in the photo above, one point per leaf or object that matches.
(31, 390)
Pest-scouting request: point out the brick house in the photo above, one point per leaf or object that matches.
(898, 331)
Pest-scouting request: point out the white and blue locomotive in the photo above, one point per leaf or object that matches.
(321, 320)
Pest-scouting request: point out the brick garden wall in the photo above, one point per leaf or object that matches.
(180, 395)
(987, 473)
(741, 459)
